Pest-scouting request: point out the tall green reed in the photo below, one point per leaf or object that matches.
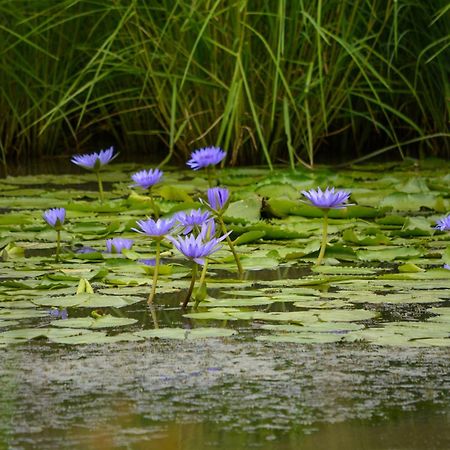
(286, 81)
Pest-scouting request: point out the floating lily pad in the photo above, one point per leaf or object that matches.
(106, 321)
(322, 304)
(26, 334)
(87, 301)
(388, 254)
(236, 302)
(7, 323)
(404, 334)
(320, 327)
(302, 338)
(15, 314)
(95, 337)
(183, 334)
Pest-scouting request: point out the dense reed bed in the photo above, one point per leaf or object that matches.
(269, 81)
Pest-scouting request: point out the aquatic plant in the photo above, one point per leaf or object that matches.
(146, 179)
(208, 158)
(443, 224)
(198, 249)
(94, 162)
(55, 217)
(157, 230)
(116, 245)
(326, 200)
(192, 219)
(218, 200)
(58, 313)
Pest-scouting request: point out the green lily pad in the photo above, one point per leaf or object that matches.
(26, 334)
(95, 337)
(404, 334)
(319, 327)
(106, 321)
(400, 201)
(237, 302)
(186, 334)
(244, 211)
(15, 314)
(87, 301)
(301, 338)
(7, 323)
(388, 254)
(322, 304)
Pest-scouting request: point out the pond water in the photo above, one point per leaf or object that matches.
(351, 354)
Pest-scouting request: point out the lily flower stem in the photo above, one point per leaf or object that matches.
(232, 248)
(202, 280)
(155, 272)
(323, 244)
(100, 186)
(191, 286)
(154, 316)
(154, 207)
(209, 172)
(58, 244)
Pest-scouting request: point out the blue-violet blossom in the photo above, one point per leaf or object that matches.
(197, 248)
(155, 228)
(116, 245)
(217, 199)
(94, 161)
(58, 313)
(329, 198)
(191, 219)
(55, 217)
(204, 157)
(443, 224)
(147, 178)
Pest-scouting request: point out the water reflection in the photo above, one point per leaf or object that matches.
(128, 429)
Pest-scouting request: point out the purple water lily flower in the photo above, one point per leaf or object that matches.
(116, 245)
(446, 266)
(148, 262)
(208, 229)
(58, 313)
(55, 217)
(443, 224)
(190, 220)
(327, 199)
(147, 178)
(204, 157)
(217, 199)
(197, 248)
(155, 228)
(94, 161)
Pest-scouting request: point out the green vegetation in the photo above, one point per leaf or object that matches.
(384, 281)
(284, 81)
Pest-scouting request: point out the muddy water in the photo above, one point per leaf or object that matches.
(218, 394)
